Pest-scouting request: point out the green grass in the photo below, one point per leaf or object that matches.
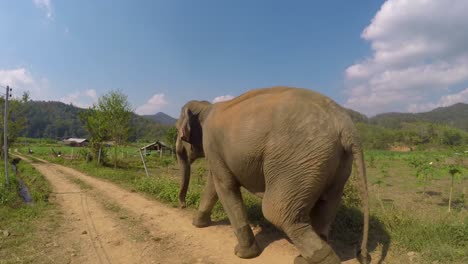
(22, 220)
(411, 220)
(83, 185)
(437, 240)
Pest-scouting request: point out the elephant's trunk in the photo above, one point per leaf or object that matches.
(184, 165)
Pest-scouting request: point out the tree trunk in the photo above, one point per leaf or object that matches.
(115, 156)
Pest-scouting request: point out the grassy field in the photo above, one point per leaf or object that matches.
(409, 197)
(23, 236)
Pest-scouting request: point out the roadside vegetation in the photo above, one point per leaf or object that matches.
(23, 226)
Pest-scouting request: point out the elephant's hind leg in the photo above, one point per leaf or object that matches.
(292, 216)
(324, 211)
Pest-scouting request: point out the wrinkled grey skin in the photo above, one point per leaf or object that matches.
(292, 147)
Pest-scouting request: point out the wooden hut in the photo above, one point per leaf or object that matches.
(157, 146)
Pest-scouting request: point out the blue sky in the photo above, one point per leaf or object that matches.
(372, 56)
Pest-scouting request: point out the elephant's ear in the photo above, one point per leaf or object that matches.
(184, 128)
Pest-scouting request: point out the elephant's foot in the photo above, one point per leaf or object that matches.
(202, 220)
(247, 247)
(330, 259)
(326, 255)
(247, 252)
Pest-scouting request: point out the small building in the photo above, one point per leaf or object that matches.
(401, 148)
(76, 142)
(157, 146)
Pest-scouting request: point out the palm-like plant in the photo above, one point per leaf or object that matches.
(454, 171)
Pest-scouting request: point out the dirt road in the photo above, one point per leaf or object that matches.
(108, 224)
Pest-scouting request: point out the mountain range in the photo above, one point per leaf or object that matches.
(59, 120)
(455, 115)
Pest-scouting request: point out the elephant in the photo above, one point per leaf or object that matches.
(292, 147)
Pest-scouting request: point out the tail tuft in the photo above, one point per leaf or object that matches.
(363, 259)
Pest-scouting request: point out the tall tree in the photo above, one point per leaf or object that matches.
(171, 137)
(117, 111)
(109, 120)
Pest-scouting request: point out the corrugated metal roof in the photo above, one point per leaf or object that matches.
(156, 143)
(77, 140)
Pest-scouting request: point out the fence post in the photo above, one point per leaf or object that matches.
(144, 163)
(5, 136)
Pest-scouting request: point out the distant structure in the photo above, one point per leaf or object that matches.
(157, 146)
(401, 148)
(76, 142)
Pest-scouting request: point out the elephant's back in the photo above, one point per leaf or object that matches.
(265, 95)
(278, 96)
(284, 110)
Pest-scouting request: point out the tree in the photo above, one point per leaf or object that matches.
(117, 111)
(17, 120)
(95, 124)
(171, 137)
(454, 171)
(109, 119)
(451, 137)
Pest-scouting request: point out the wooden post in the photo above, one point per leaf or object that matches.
(144, 163)
(5, 136)
(72, 154)
(99, 155)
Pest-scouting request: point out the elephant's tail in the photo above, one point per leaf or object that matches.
(356, 149)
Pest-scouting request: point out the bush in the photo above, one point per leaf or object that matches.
(351, 194)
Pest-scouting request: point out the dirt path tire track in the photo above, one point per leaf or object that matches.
(94, 233)
(182, 243)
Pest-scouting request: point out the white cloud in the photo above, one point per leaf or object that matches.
(46, 5)
(419, 52)
(446, 100)
(222, 98)
(154, 104)
(16, 77)
(81, 99)
(92, 93)
(21, 80)
(71, 99)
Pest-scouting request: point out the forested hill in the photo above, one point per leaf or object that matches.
(161, 118)
(53, 120)
(455, 115)
(57, 120)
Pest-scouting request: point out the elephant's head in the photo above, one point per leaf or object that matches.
(189, 145)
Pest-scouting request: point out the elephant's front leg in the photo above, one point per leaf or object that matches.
(208, 201)
(231, 199)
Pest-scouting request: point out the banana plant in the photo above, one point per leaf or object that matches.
(455, 172)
